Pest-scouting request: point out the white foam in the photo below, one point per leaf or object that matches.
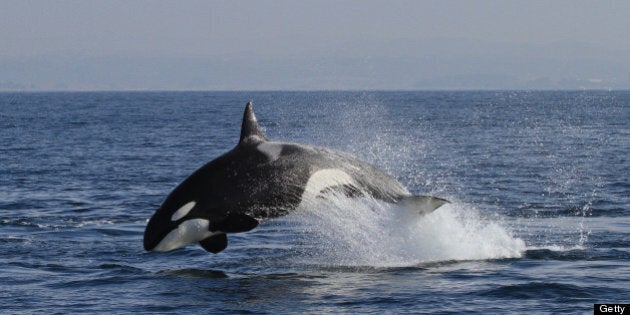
(366, 232)
(557, 248)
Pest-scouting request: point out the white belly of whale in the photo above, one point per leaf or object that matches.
(190, 231)
(323, 179)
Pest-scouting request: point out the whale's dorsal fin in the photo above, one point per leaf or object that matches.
(250, 131)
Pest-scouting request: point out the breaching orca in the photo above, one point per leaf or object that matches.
(261, 179)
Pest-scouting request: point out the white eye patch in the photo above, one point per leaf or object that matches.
(183, 211)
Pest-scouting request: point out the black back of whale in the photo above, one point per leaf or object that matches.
(247, 183)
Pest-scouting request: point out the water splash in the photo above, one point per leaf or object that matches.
(365, 232)
(344, 231)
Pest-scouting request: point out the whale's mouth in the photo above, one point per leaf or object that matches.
(155, 232)
(164, 237)
(164, 234)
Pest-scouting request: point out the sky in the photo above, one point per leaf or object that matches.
(314, 45)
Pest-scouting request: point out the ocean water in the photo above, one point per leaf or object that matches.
(539, 220)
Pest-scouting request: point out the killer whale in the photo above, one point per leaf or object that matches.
(260, 179)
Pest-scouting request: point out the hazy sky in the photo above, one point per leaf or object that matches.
(287, 45)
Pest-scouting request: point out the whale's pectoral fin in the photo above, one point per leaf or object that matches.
(422, 204)
(234, 223)
(215, 243)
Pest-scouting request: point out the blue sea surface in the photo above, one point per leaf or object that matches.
(539, 221)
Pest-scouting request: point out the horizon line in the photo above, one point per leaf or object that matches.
(316, 90)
